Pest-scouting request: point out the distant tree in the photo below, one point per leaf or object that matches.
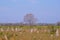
(58, 23)
(21, 24)
(30, 19)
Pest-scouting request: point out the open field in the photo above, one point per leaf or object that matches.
(28, 33)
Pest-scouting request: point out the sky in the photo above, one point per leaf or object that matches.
(13, 11)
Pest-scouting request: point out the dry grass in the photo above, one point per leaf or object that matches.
(25, 34)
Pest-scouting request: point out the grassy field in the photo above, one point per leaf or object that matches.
(28, 33)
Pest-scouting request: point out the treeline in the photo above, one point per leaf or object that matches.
(20, 24)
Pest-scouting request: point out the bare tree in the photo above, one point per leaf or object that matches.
(30, 19)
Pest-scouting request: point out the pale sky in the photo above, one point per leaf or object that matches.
(13, 11)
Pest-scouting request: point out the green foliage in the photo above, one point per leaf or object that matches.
(52, 29)
(1, 34)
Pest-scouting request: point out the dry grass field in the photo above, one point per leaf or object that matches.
(26, 33)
